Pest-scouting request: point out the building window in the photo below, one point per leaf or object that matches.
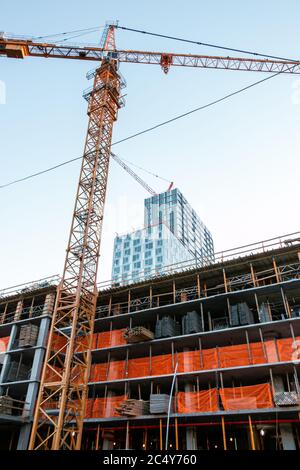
(118, 254)
(116, 270)
(159, 259)
(147, 254)
(136, 242)
(172, 221)
(125, 260)
(149, 246)
(117, 262)
(148, 262)
(126, 245)
(137, 249)
(127, 252)
(135, 257)
(159, 243)
(127, 267)
(137, 265)
(160, 217)
(158, 251)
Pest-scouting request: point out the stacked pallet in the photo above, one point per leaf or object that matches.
(132, 407)
(138, 334)
(191, 323)
(28, 335)
(17, 372)
(167, 327)
(6, 404)
(159, 403)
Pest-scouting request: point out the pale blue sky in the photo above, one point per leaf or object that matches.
(237, 163)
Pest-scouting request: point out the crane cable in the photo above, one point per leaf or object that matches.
(149, 129)
(216, 46)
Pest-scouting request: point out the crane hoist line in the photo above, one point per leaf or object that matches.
(61, 401)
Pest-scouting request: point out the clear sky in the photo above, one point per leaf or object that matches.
(237, 163)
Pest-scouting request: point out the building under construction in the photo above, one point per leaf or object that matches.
(227, 336)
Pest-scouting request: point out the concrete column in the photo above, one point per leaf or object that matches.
(286, 430)
(33, 386)
(190, 433)
(7, 357)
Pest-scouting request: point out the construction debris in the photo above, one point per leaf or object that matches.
(167, 327)
(6, 404)
(138, 334)
(159, 403)
(28, 336)
(132, 407)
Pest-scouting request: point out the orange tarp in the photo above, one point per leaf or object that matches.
(197, 402)
(105, 407)
(51, 376)
(3, 344)
(234, 356)
(89, 408)
(139, 367)
(249, 397)
(188, 361)
(162, 365)
(59, 342)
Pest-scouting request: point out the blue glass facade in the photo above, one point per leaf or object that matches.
(173, 233)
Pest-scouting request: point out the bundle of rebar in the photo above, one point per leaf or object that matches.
(138, 334)
(132, 407)
(167, 327)
(28, 336)
(191, 323)
(159, 403)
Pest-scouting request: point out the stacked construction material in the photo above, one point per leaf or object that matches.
(138, 334)
(286, 399)
(28, 335)
(132, 407)
(167, 327)
(241, 314)
(6, 404)
(159, 403)
(18, 372)
(191, 323)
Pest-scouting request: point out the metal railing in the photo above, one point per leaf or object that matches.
(30, 286)
(220, 257)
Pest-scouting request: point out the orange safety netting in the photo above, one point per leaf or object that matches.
(98, 372)
(105, 407)
(51, 376)
(84, 342)
(234, 356)
(161, 365)
(271, 351)
(3, 344)
(197, 402)
(108, 339)
(59, 343)
(209, 359)
(89, 408)
(116, 370)
(288, 349)
(249, 397)
(139, 367)
(188, 361)
(257, 353)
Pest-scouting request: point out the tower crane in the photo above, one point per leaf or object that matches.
(66, 367)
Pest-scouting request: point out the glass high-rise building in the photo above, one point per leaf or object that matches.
(172, 233)
(173, 209)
